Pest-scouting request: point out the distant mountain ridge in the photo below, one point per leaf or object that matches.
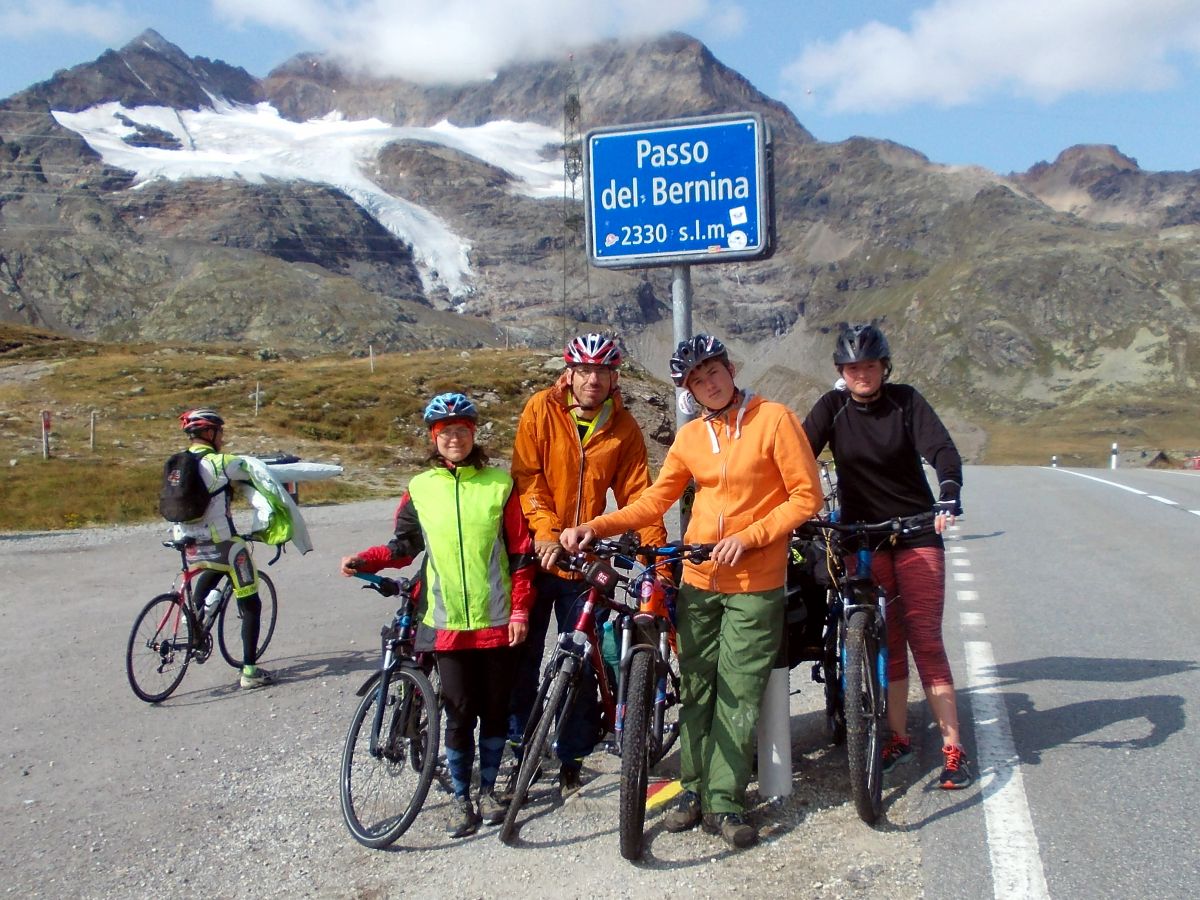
(1004, 295)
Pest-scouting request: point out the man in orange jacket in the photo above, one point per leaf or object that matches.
(575, 441)
(756, 480)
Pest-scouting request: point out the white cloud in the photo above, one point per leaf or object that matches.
(36, 18)
(956, 52)
(458, 40)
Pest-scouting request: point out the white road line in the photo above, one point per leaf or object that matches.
(1123, 487)
(1162, 500)
(967, 596)
(1194, 512)
(1017, 872)
(960, 562)
(971, 619)
(964, 576)
(958, 548)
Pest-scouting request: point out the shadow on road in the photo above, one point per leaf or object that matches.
(1086, 668)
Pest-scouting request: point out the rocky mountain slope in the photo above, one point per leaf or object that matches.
(1069, 286)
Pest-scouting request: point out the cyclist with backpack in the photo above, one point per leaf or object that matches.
(575, 442)
(196, 496)
(476, 590)
(879, 432)
(756, 481)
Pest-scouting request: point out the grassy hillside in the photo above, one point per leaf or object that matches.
(365, 415)
(362, 414)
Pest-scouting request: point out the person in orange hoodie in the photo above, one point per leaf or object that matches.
(575, 441)
(756, 480)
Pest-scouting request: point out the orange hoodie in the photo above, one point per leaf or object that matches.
(563, 481)
(755, 478)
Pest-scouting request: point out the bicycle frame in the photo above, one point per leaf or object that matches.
(856, 654)
(396, 644)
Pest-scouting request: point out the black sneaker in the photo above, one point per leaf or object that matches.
(732, 829)
(896, 752)
(685, 815)
(957, 774)
(464, 820)
(569, 781)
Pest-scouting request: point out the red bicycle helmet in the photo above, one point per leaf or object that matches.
(592, 349)
(201, 419)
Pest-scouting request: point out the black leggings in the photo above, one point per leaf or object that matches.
(250, 609)
(476, 685)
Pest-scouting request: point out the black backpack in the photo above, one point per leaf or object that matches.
(183, 497)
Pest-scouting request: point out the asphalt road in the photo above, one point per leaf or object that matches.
(1073, 639)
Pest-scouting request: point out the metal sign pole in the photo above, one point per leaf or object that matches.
(681, 310)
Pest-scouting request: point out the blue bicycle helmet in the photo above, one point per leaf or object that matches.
(452, 405)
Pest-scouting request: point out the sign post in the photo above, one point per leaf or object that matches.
(45, 434)
(679, 193)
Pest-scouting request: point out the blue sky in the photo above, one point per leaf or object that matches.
(998, 83)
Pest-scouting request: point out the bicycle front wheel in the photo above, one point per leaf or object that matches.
(382, 790)
(531, 758)
(159, 648)
(665, 732)
(635, 752)
(229, 623)
(864, 717)
(831, 671)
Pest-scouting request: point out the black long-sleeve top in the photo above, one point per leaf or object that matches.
(877, 449)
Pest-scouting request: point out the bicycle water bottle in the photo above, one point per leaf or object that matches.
(211, 602)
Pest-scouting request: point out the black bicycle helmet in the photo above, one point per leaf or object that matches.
(692, 352)
(860, 343)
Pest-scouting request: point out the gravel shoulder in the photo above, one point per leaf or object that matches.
(235, 794)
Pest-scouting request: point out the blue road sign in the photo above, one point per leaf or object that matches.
(689, 191)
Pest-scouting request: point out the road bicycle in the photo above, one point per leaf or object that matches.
(640, 712)
(175, 629)
(853, 663)
(391, 754)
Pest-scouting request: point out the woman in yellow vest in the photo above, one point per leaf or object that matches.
(476, 591)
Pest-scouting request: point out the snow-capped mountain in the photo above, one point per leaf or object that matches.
(149, 195)
(255, 145)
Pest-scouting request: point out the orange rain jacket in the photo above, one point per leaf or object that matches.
(563, 482)
(755, 478)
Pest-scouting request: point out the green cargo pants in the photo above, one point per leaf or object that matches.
(727, 647)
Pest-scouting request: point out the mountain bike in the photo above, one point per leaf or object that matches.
(391, 754)
(853, 665)
(647, 683)
(175, 629)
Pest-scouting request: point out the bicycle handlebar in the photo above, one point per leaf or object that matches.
(388, 587)
(897, 525)
(629, 546)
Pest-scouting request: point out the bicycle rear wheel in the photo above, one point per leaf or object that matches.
(159, 648)
(382, 791)
(635, 752)
(864, 717)
(531, 758)
(233, 621)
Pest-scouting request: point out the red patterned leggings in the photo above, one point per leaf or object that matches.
(915, 583)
